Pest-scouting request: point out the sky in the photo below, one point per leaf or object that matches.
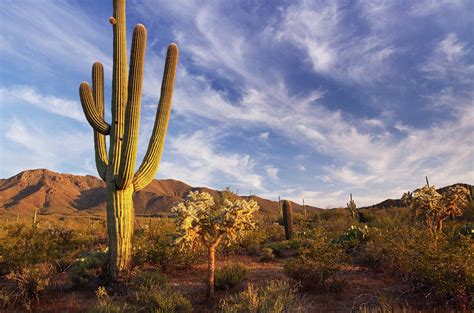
(299, 99)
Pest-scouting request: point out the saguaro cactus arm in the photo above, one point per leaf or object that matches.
(119, 85)
(101, 159)
(151, 161)
(93, 117)
(132, 114)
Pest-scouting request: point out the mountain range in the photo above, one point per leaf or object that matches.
(56, 193)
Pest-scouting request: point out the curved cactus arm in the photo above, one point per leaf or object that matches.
(100, 146)
(151, 161)
(128, 155)
(93, 117)
(119, 85)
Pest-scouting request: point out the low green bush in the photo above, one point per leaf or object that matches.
(89, 268)
(318, 265)
(276, 297)
(23, 246)
(440, 270)
(230, 276)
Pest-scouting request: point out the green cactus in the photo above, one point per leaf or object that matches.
(351, 206)
(34, 220)
(287, 212)
(117, 168)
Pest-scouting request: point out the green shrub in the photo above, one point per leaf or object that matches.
(88, 268)
(150, 280)
(230, 276)
(24, 246)
(267, 255)
(353, 237)
(440, 270)
(153, 245)
(162, 300)
(318, 266)
(276, 297)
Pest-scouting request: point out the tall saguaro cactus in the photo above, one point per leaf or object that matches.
(287, 212)
(117, 168)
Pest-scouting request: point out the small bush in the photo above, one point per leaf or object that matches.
(152, 245)
(276, 297)
(27, 284)
(439, 270)
(353, 237)
(150, 280)
(230, 276)
(88, 268)
(318, 266)
(163, 300)
(267, 255)
(106, 303)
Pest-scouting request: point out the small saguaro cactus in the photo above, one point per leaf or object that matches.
(34, 220)
(351, 206)
(287, 212)
(117, 168)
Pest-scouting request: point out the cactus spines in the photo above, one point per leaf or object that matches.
(117, 167)
(351, 206)
(287, 212)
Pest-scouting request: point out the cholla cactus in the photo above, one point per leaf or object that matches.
(433, 208)
(117, 167)
(351, 206)
(202, 221)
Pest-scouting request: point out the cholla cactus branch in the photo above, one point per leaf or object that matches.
(433, 208)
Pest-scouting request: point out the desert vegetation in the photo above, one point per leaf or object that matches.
(389, 260)
(217, 251)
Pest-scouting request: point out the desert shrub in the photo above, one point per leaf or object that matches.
(353, 237)
(318, 265)
(88, 268)
(106, 303)
(26, 284)
(267, 255)
(154, 245)
(162, 300)
(150, 280)
(230, 276)
(441, 270)
(24, 246)
(276, 297)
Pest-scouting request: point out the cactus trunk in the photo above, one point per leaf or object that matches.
(117, 167)
(287, 219)
(119, 228)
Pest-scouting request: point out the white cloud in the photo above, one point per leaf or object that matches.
(334, 49)
(264, 136)
(48, 103)
(39, 146)
(449, 61)
(196, 159)
(272, 172)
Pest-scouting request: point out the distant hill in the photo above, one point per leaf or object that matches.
(55, 193)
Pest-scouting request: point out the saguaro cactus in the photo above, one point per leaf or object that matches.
(287, 212)
(117, 168)
(351, 206)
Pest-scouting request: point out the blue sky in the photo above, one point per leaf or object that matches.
(302, 99)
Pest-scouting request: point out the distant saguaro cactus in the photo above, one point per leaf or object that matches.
(287, 212)
(117, 168)
(351, 206)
